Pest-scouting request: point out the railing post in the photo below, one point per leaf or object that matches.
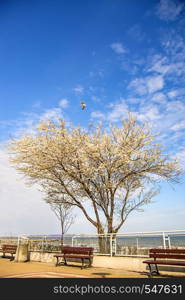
(111, 244)
(169, 242)
(164, 241)
(18, 241)
(73, 240)
(115, 245)
(137, 243)
(43, 243)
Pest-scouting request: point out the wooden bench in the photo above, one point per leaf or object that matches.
(82, 253)
(11, 249)
(175, 257)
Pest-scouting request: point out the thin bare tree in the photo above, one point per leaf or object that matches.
(64, 214)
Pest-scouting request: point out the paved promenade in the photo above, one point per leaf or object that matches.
(13, 269)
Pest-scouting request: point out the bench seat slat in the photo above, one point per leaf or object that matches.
(165, 262)
(9, 247)
(156, 250)
(76, 256)
(71, 255)
(172, 256)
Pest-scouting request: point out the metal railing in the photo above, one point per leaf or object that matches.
(135, 243)
(121, 244)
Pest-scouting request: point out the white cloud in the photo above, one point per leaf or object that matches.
(154, 83)
(149, 113)
(139, 86)
(119, 112)
(172, 94)
(174, 45)
(133, 100)
(176, 93)
(177, 107)
(51, 114)
(181, 157)
(26, 123)
(169, 10)
(148, 84)
(79, 89)
(159, 64)
(63, 103)
(178, 126)
(96, 99)
(97, 115)
(118, 48)
(164, 117)
(170, 65)
(159, 98)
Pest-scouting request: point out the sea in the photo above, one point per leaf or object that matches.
(138, 241)
(121, 241)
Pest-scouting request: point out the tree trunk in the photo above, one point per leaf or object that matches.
(113, 240)
(106, 240)
(62, 235)
(102, 244)
(103, 241)
(62, 240)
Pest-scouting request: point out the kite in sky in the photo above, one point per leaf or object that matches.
(83, 105)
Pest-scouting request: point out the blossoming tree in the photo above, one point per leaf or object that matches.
(107, 173)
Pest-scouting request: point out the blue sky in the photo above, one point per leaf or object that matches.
(116, 56)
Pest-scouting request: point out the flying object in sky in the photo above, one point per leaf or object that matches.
(83, 105)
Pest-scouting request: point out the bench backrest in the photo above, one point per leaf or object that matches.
(9, 247)
(77, 250)
(167, 253)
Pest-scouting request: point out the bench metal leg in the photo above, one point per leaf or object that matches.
(153, 272)
(65, 261)
(82, 263)
(56, 262)
(157, 270)
(150, 273)
(90, 262)
(12, 258)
